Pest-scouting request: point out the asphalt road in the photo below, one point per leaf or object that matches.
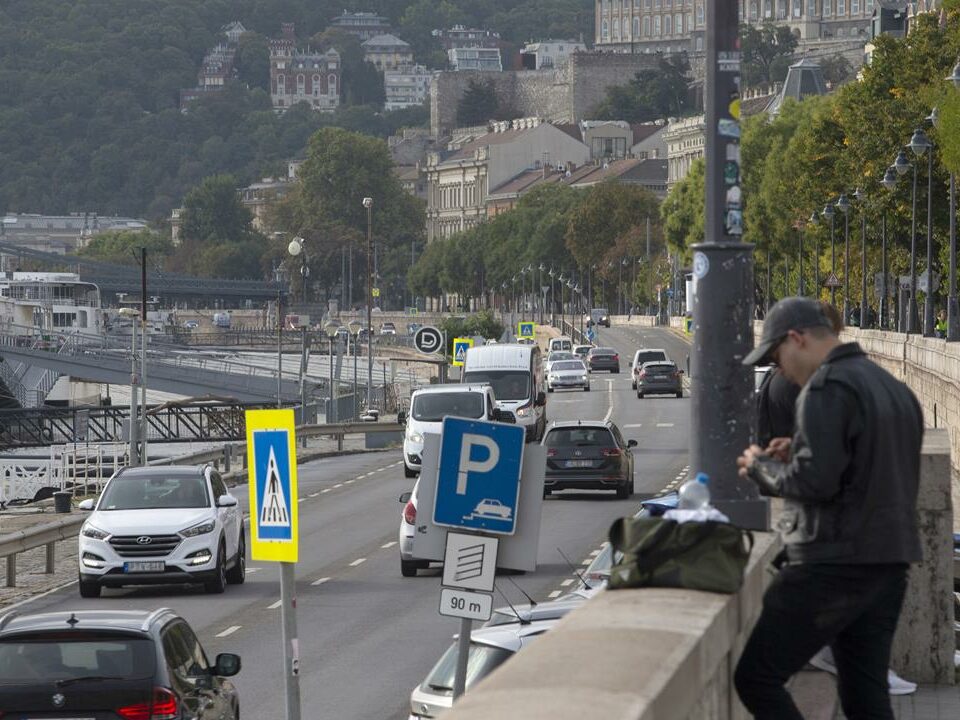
(368, 635)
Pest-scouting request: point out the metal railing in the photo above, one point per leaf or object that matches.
(49, 534)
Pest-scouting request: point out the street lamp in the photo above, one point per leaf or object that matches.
(138, 429)
(843, 205)
(889, 182)
(921, 144)
(830, 215)
(815, 220)
(368, 204)
(861, 197)
(799, 225)
(330, 330)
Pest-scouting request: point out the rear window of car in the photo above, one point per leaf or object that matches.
(659, 367)
(58, 657)
(579, 437)
(569, 365)
(603, 351)
(433, 407)
(645, 356)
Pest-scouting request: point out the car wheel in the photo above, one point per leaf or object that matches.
(238, 573)
(639, 395)
(549, 389)
(615, 372)
(408, 473)
(623, 492)
(586, 388)
(633, 385)
(89, 589)
(680, 393)
(408, 568)
(219, 581)
(547, 492)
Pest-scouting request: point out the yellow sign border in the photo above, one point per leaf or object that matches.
(273, 550)
(520, 329)
(460, 341)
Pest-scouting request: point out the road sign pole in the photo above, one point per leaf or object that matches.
(463, 654)
(291, 643)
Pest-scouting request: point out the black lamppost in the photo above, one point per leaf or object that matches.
(843, 205)
(953, 310)
(921, 144)
(801, 291)
(861, 197)
(902, 164)
(889, 182)
(830, 215)
(815, 220)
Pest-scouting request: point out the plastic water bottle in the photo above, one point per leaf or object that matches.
(694, 494)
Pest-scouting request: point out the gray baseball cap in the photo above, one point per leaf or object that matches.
(792, 313)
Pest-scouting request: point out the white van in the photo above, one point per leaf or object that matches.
(560, 343)
(516, 374)
(430, 405)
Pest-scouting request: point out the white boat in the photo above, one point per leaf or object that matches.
(49, 301)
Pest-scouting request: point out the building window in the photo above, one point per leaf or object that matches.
(636, 27)
(657, 28)
(604, 32)
(316, 84)
(753, 10)
(301, 85)
(678, 24)
(626, 28)
(699, 43)
(797, 8)
(657, 4)
(666, 25)
(646, 26)
(689, 23)
(869, 5)
(854, 7)
(811, 8)
(332, 85)
(767, 9)
(827, 8)
(841, 7)
(700, 16)
(646, 4)
(281, 85)
(616, 29)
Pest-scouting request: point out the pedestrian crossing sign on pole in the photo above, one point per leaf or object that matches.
(833, 281)
(272, 466)
(460, 347)
(526, 329)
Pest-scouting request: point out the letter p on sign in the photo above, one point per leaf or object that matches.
(481, 466)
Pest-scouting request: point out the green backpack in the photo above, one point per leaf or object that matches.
(664, 553)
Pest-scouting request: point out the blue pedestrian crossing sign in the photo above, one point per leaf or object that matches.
(460, 347)
(478, 482)
(526, 329)
(272, 461)
(591, 334)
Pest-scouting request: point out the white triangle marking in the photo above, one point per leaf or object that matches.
(274, 511)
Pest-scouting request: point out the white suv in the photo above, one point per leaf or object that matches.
(159, 525)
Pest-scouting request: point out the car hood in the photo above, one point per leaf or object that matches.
(153, 521)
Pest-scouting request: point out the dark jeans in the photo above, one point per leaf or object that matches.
(852, 608)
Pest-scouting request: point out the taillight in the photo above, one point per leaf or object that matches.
(163, 706)
(677, 375)
(551, 452)
(643, 374)
(410, 513)
(610, 452)
(617, 358)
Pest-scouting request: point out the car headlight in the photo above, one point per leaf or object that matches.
(524, 411)
(201, 529)
(90, 531)
(414, 437)
(583, 377)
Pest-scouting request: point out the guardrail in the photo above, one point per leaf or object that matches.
(49, 534)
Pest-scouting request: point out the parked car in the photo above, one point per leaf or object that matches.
(191, 325)
(409, 564)
(525, 341)
(600, 316)
(551, 610)
(644, 355)
(490, 647)
(560, 343)
(588, 455)
(388, 328)
(603, 358)
(581, 351)
(568, 374)
(556, 356)
(111, 664)
(659, 378)
(162, 525)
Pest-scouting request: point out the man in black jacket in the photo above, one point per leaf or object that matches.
(849, 480)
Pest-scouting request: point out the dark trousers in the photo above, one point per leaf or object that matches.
(852, 608)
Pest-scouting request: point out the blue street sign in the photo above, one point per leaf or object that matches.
(272, 460)
(478, 483)
(591, 334)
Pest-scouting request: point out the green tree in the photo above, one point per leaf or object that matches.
(213, 212)
(478, 105)
(682, 211)
(762, 49)
(123, 246)
(836, 69)
(650, 95)
(601, 223)
(252, 61)
(362, 83)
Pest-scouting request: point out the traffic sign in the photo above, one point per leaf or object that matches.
(272, 460)
(591, 334)
(669, 292)
(526, 329)
(478, 481)
(428, 339)
(470, 561)
(465, 604)
(460, 347)
(921, 281)
(833, 281)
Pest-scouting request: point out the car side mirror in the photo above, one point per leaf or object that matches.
(541, 398)
(87, 504)
(227, 665)
(226, 501)
(405, 497)
(631, 443)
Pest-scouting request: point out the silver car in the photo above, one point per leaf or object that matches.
(490, 647)
(568, 374)
(408, 528)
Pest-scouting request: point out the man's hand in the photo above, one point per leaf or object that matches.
(746, 460)
(779, 448)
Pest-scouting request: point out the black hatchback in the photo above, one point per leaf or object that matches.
(588, 455)
(603, 358)
(103, 665)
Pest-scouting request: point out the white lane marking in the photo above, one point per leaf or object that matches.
(606, 418)
(556, 594)
(358, 561)
(632, 425)
(338, 485)
(587, 561)
(253, 570)
(380, 469)
(277, 604)
(565, 583)
(313, 494)
(389, 544)
(300, 499)
(594, 553)
(325, 490)
(347, 482)
(321, 581)
(366, 474)
(664, 424)
(229, 631)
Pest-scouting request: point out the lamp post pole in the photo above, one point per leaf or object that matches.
(828, 211)
(912, 315)
(368, 204)
(843, 205)
(864, 305)
(928, 302)
(144, 454)
(801, 290)
(134, 398)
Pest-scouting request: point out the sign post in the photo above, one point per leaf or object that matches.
(478, 488)
(272, 463)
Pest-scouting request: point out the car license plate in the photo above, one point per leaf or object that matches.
(579, 463)
(137, 567)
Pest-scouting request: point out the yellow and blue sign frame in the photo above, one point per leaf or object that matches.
(460, 347)
(272, 471)
(526, 329)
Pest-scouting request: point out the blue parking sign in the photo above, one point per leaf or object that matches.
(478, 483)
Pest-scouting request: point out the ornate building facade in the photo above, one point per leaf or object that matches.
(308, 76)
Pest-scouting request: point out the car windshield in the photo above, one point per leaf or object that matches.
(79, 656)
(569, 365)
(645, 356)
(507, 384)
(579, 437)
(433, 407)
(481, 661)
(142, 492)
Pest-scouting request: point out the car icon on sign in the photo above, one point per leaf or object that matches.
(492, 509)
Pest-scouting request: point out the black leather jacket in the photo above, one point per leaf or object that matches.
(850, 488)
